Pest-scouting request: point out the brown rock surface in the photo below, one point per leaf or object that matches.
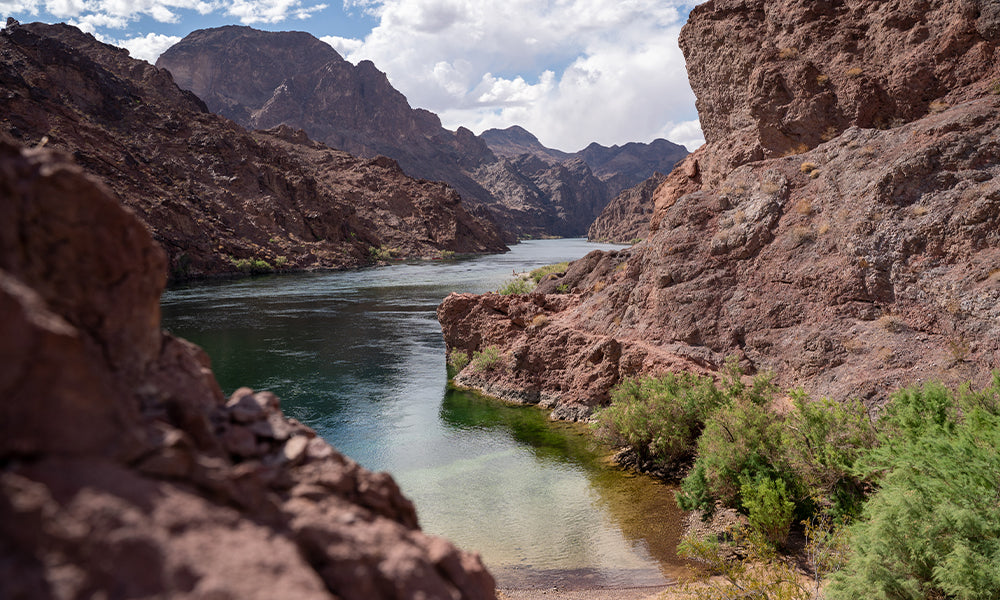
(773, 78)
(864, 264)
(208, 190)
(626, 218)
(125, 473)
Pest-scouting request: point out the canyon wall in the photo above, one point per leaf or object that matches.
(126, 473)
(218, 198)
(841, 227)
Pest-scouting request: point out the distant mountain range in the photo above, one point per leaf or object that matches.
(263, 79)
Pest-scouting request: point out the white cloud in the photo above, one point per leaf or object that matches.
(343, 45)
(570, 71)
(148, 47)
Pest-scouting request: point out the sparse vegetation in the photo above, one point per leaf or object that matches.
(538, 274)
(382, 253)
(540, 320)
(457, 360)
(281, 261)
(252, 266)
(518, 285)
(822, 79)
(937, 107)
(808, 167)
(788, 53)
(486, 360)
(562, 288)
(854, 72)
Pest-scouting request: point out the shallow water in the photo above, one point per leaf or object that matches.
(359, 357)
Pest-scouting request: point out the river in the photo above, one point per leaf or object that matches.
(359, 357)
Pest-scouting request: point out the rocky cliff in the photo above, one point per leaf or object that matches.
(626, 218)
(263, 79)
(864, 260)
(125, 473)
(218, 198)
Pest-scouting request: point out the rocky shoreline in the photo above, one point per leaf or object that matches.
(850, 262)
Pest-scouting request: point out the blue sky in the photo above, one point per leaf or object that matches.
(569, 71)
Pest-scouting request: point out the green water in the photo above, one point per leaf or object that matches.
(359, 357)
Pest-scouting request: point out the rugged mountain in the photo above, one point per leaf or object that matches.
(626, 218)
(263, 79)
(516, 140)
(618, 169)
(859, 264)
(215, 196)
(623, 167)
(126, 473)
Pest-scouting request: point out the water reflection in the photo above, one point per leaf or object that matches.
(359, 357)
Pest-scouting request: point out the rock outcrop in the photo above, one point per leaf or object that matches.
(863, 264)
(125, 473)
(626, 218)
(216, 197)
(263, 79)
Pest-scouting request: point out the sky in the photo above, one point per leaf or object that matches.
(570, 71)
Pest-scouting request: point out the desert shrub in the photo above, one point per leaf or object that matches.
(660, 418)
(768, 508)
(251, 265)
(760, 573)
(281, 261)
(515, 286)
(382, 253)
(457, 360)
(823, 442)
(486, 360)
(740, 441)
(562, 288)
(540, 320)
(813, 450)
(933, 528)
(538, 274)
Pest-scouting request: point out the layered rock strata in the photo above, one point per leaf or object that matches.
(124, 472)
(866, 263)
(216, 197)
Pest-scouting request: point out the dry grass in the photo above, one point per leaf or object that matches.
(822, 79)
(829, 133)
(937, 107)
(808, 167)
(803, 207)
(770, 186)
(823, 228)
(797, 149)
(920, 210)
(854, 72)
(801, 234)
(891, 323)
(600, 285)
(788, 53)
(540, 320)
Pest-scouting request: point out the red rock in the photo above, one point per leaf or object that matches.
(119, 477)
(210, 192)
(864, 264)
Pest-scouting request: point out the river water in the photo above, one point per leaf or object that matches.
(359, 357)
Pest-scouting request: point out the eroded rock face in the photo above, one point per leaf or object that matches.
(126, 473)
(773, 78)
(854, 268)
(626, 218)
(211, 192)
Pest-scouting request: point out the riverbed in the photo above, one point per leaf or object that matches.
(359, 357)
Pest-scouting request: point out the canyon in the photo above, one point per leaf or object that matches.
(839, 228)
(262, 79)
(218, 198)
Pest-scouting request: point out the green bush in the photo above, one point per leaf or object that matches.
(515, 286)
(252, 266)
(486, 360)
(382, 253)
(538, 274)
(660, 418)
(768, 508)
(457, 360)
(741, 441)
(933, 528)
